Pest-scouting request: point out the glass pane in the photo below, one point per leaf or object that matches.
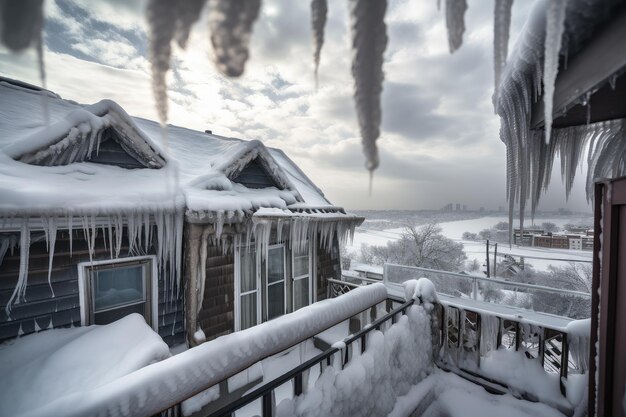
(117, 286)
(275, 300)
(248, 270)
(301, 264)
(300, 293)
(110, 316)
(248, 310)
(275, 264)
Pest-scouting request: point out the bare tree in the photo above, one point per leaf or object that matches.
(549, 227)
(423, 246)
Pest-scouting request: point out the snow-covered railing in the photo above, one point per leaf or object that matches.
(338, 355)
(163, 385)
(493, 290)
(541, 357)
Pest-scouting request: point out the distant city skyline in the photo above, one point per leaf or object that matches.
(439, 140)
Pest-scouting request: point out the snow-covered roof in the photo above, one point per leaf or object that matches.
(45, 167)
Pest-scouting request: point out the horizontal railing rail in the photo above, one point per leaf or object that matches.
(265, 392)
(512, 284)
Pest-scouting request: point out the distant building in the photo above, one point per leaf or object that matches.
(458, 206)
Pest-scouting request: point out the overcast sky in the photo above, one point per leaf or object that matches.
(439, 141)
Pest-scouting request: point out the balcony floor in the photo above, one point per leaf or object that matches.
(446, 394)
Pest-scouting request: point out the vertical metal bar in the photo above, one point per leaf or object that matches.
(487, 254)
(517, 336)
(499, 341)
(564, 362)
(297, 384)
(363, 341)
(266, 404)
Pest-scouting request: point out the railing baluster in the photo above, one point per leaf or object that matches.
(297, 385)
(363, 341)
(267, 406)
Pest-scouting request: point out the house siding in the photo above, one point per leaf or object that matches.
(216, 318)
(41, 310)
(328, 266)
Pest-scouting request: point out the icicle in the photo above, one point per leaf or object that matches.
(319, 10)
(202, 277)
(22, 23)
(455, 22)
(501, 27)
(369, 40)
(50, 229)
(22, 279)
(161, 33)
(613, 81)
(555, 24)
(230, 24)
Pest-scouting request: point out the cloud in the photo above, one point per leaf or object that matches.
(439, 141)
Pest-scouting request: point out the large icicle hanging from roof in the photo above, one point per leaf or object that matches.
(369, 40)
(230, 24)
(455, 22)
(22, 278)
(167, 20)
(22, 22)
(501, 27)
(555, 23)
(319, 9)
(162, 27)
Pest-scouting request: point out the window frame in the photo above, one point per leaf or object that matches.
(150, 284)
(267, 279)
(308, 275)
(238, 293)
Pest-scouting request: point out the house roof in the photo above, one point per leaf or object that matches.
(41, 175)
(589, 61)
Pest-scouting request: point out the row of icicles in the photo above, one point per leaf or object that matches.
(230, 26)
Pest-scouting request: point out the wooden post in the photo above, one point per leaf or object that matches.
(487, 255)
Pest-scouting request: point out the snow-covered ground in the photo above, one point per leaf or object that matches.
(447, 394)
(476, 250)
(40, 368)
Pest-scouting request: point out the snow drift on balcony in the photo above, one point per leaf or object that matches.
(41, 368)
(372, 381)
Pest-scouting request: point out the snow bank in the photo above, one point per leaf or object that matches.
(450, 395)
(523, 375)
(421, 290)
(41, 368)
(155, 387)
(371, 382)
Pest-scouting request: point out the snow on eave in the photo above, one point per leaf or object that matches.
(304, 176)
(64, 142)
(250, 151)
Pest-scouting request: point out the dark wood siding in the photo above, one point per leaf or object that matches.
(112, 153)
(328, 266)
(41, 311)
(216, 317)
(255, 176)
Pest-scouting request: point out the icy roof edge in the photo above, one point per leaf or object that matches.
(87, 123)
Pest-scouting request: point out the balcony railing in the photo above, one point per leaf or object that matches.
(467, 328)
(299, 375)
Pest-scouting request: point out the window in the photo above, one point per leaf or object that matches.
(275, 293)
(301, 279)
(248, 288)
(112, 290)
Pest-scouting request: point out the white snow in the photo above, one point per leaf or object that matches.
(152, 388)
(522, 374)
(450, 395)
(39, 369)
(370, 382)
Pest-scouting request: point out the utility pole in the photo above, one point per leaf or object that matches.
(495, 260)
(487, 253)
